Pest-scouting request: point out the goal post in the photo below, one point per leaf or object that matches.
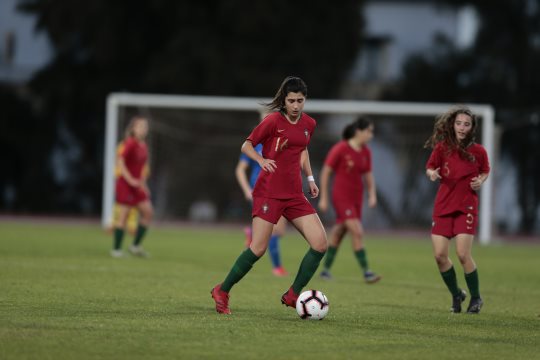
(332, 107)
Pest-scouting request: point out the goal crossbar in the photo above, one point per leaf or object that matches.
(349, 107)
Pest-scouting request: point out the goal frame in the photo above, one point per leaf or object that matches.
(349, 107)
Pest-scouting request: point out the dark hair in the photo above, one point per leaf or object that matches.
(290, 84)
(443, 131)
(361, 123)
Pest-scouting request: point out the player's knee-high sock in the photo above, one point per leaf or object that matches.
(450, 280)
(273, 249)
(241, 267)
(361, 257)
(118, 236)
(330, 255)
(308, 266)
(141, 231)
(473, 284)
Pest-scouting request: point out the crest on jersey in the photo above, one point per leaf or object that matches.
(348, 212)
(306, 133)
(265, 208)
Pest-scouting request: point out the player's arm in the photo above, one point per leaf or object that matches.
(144, 179)
(241, 177)
(326, 172)
(265, 164)
(477, 181)
(306, 168)
(126, 174)
(371, 189)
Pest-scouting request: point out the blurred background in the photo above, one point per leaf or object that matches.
(60, 59)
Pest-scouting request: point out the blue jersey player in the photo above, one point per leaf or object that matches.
(245, 164)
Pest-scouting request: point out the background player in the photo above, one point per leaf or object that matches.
(131, 188)
(245, 164)
(461, 166)
(350, 161)
(133, 215)
(285, 134)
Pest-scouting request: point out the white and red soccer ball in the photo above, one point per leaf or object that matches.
(312, 305)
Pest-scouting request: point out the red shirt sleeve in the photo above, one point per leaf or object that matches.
(484, 167)
(435, 160)
(263, 131)
(333, 157)
(128, 148)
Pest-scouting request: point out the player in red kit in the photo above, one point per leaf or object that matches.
(461, 166)
(284, 134)
(131, 188)
(350, 161)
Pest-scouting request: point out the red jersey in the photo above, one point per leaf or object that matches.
(135, 155)
(282, 142)
(349, 165)
(455, 193)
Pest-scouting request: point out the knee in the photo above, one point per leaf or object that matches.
(257, 250)
(463, 257)
(321, 246)
(441, 259)
(147, 216)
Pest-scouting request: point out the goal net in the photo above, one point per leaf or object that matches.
(194, 144)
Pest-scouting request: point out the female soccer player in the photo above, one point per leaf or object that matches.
(461, 166)
(244, 164)
(284, 134)
(350, 160)
(131, 188)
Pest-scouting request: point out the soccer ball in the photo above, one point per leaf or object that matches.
(312, 305)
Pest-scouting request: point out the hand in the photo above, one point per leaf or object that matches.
(434, 174)
(248, 196)
(313, 189)
(372, 201)
(323, 204)
(476, 182)
(268, 165)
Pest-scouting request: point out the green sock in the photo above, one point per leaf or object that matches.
(450, 280)
(309, 265)
(241, 267)
(141, 230)
(330, 255)
(118, 236)
(473, 284)
(361, 257)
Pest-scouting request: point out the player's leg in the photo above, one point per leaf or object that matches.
(337, 233)
(262, 230)
(312, 230)
(119, 229)
(132, 221)
(464, 252)
(273, 247)
(441, 245)
(354, 227)
(146, 212)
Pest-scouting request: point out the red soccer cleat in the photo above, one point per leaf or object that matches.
(289, 298)
(279, 271)
(222, 299)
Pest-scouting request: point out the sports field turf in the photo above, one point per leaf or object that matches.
(63, 297)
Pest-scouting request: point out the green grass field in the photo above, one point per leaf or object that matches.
(63, 297)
